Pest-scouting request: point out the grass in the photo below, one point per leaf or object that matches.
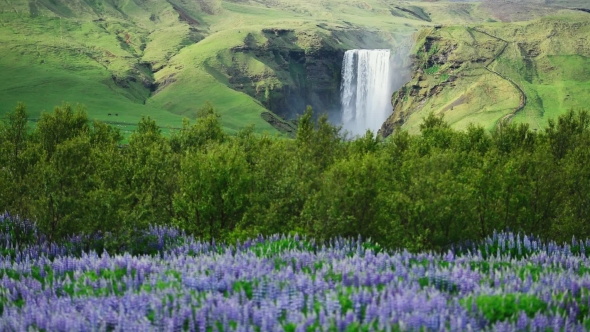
(554, 83)
(195, 85)
(45, 85)
(43, 69)
(561, 89)
(480, 101)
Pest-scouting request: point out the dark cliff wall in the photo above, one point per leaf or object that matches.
(314, 79)
(301, 69)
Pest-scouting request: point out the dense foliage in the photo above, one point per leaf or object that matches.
(423, 191)
(506, 282)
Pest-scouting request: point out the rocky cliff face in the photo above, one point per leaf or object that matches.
(313, 79)
(297, 74)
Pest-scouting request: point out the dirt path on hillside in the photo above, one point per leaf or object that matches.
(523, 97)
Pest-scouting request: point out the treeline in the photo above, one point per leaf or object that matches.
(421, 191)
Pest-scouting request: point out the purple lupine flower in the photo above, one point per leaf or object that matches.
(204, 294)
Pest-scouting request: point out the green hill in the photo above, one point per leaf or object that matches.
(497, 72)
(259, 62)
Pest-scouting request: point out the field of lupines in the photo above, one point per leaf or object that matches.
(505, 283)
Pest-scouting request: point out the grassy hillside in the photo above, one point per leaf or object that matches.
(498, 72)
(251, 59)
(111, 61)
(158, 58)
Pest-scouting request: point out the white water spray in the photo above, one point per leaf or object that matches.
(366, 90)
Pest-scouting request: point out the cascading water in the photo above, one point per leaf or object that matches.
(366, 90)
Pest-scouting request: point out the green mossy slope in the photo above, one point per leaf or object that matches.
(494, 73)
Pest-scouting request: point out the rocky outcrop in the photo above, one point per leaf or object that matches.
(303, 70)
(287, 127)
(316, 83)
(587, 10)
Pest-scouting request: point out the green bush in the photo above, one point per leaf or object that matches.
(506, 306)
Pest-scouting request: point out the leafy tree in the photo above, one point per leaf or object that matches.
(432, 122)
(573, 206)
(150, 176)
(15, 133)
(206, 130)
(277, 194)
(107, 200)
(564, 134)
(485, 191)
(424, 191)
(513, 138)
(346, 202)
(63, 124)
(103, 135)
(369, 143)
(475, 139)
(15, 161)
(63, 182)
(305, 128)
(213, 191)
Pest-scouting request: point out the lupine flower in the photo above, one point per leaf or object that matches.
(198, 286)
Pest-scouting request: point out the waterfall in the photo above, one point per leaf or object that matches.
(366, 90)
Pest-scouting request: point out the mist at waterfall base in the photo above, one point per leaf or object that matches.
(366, 90)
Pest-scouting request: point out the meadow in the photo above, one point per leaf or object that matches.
(507, 282)
(112, 224)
